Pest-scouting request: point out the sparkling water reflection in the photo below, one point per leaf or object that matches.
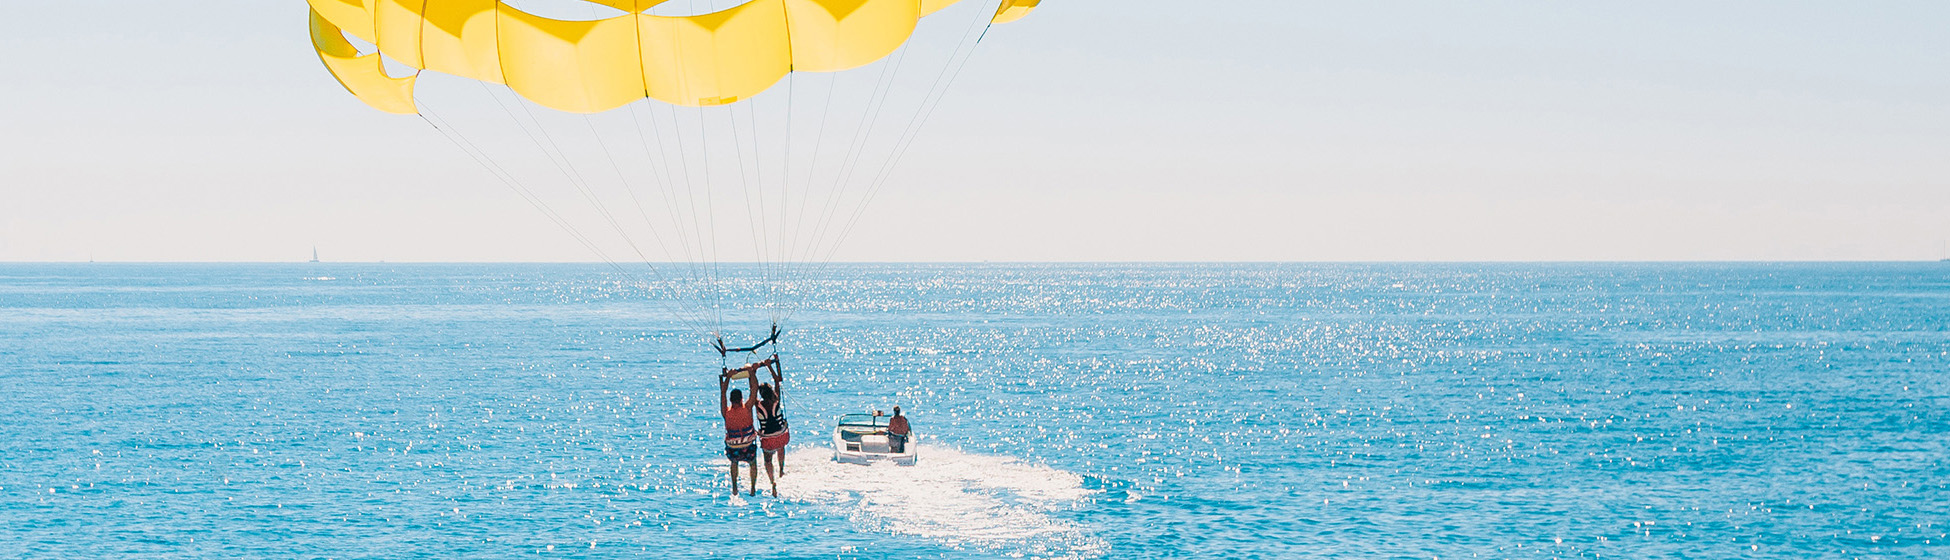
(1711, 410)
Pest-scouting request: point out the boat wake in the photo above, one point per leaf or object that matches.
(956, 498)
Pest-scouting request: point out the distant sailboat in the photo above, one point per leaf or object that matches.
(314, 254)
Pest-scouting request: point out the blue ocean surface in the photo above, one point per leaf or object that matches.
(1068, 411)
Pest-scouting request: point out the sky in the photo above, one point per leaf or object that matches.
(1092, 130)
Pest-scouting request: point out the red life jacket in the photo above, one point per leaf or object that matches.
(738, 425)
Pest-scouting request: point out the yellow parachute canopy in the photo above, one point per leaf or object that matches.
(594, 66)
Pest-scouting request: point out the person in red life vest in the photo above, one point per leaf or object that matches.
(773, 433)
(739, 438)
(897, 432)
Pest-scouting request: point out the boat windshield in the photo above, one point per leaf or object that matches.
(862, 421)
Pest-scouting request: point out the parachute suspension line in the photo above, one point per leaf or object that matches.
(837, 188)
(936, 92)
(711, 219)
(629, 189)
(513, 183)
(654, 168)
(869, 114)
(573, 175)
(709, 268)
(698, 271)
(784, 184)
(582, 184)
(710, 208)
(745, 186)
(843, 182)
(767, 294)
(798, 225)
(661, 175)
(852, 167)
(760, 240)
(505, 178)
(708, 230)
(655, 233)
(676, 223)
(589, 192)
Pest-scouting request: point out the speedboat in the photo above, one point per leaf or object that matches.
(862, 439)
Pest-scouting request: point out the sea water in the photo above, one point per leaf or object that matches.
(1069, 411)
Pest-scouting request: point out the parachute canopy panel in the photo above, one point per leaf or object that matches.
(1012, 10)
(715, 58)
(362, 74)
(593, 66)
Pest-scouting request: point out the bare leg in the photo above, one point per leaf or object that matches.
(734, 478)
(769, 477)
(781, 462)
(754, 465)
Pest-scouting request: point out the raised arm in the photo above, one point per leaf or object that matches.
(723, 383)
(778, 379)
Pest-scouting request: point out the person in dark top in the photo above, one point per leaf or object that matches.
(739, 438)
(773, 434)
(897, 432)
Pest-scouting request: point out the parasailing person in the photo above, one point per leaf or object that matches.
(773, 434)
(739, 438)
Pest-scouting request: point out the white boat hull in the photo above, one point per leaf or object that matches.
(867, 453)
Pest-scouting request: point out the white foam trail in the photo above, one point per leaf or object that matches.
(949, 496)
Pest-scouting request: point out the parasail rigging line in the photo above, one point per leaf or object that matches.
(710, 202)
(582, 185)
(596, 200)
(936, 92)
(707, 267)
(570, 173)
(509, 180)
(628, 189)
(661, 174)
(758, 135)
(760, 222)
(503, 176)
(689, 239)
(700, 271)
(863, 132)
(751, 221)
(782, 292)
(669, 204)
(862, 139)
(662, 182)
(797, 225)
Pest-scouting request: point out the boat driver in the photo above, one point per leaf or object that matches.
(897, 431)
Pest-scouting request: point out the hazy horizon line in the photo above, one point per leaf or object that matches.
(722, 263)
